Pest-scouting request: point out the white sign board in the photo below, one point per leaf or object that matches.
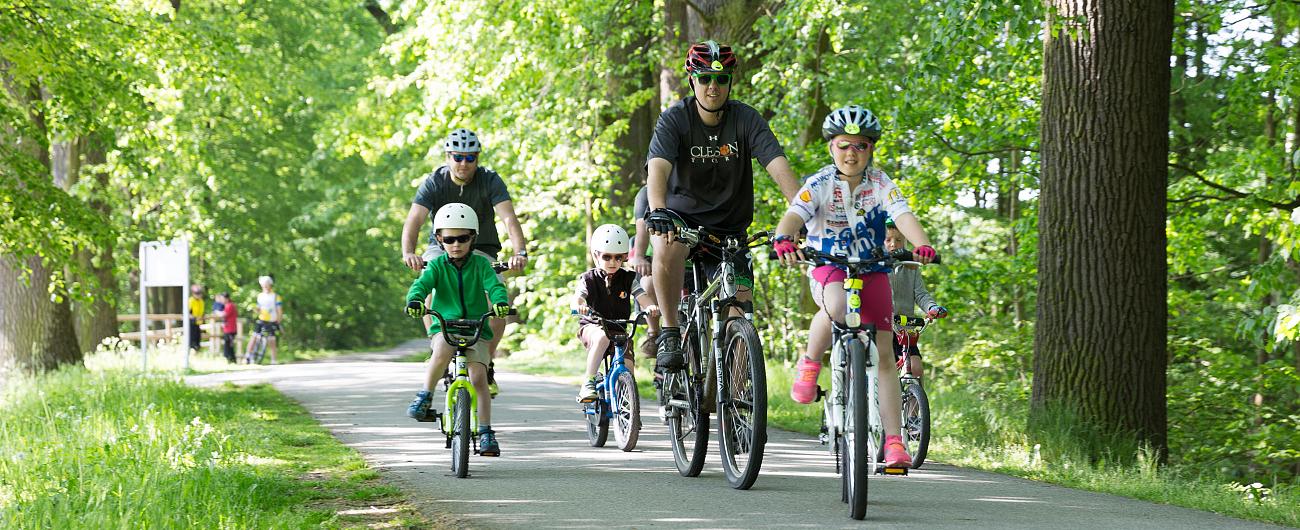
(163, 264)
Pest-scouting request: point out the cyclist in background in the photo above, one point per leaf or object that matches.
(909, 293)
(640, 259)
(461, 283)
(270, 313)
(844, 206)
(698, 168)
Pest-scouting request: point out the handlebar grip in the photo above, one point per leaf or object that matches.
(500, 266)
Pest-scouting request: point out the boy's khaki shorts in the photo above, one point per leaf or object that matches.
(476, 354)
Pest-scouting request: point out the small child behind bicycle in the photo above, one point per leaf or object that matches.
(844, 207)
(909, 293)
(606, 290)
(458, 281)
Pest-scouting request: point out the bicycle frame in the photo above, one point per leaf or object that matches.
(614, 362)
(716, 299)
(462, 342)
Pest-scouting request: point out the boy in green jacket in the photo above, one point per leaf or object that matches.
(458, 280)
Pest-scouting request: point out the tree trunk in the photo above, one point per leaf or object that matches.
(36, 331)
(817, 107)
(1100, 336)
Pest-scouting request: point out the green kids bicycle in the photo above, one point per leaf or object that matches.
(460, 421)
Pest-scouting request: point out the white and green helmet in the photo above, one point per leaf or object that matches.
(455, 215)
(852, 119)
(610, 239)
(462, 141)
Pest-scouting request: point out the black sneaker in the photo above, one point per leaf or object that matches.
(670, 356)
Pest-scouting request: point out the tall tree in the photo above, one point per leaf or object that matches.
(1100, 338)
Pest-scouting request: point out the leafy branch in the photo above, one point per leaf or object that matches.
(1232, 193)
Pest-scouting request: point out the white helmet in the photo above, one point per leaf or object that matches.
(265, 280)
(455, 215)
(610, 239)
(462, 141)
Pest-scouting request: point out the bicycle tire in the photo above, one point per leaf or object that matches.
(742, 414)
(597, 423)
(688, 427)
(460, 434)
(259, 349)
(858, 432)
(627, 423)
(916, 422)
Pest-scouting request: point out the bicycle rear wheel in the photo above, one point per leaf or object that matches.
(742, 413)
(627, 423)
(460, 434)
(916, 422)
(597, 422)
(859, 448)
(688, 420)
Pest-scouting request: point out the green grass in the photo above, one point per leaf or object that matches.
(108, 447)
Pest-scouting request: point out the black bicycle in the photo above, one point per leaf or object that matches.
(715, 342)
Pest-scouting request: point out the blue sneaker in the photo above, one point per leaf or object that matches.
(422, 407)
(487, 443)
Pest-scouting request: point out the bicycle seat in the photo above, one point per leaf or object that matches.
(616, 337)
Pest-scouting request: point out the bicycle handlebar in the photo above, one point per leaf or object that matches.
(497, 266)
(465, 325)
(901, 256)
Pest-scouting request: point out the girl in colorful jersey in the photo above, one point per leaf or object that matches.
(844, 207)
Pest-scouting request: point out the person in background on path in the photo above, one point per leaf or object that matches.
(270, 313)
(909, 293)
(640, 261)
(461, 179)
(461, 283)
(229, 314)
(197, 313)
(606, 290)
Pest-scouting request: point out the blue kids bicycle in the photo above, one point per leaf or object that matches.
(616, 393)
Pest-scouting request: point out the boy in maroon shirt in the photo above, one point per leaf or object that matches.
(229, 325)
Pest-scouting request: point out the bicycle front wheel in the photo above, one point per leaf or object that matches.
(597, 423)
(460, 434)
(916, 422)
(742, 412)
(627, 423)
(859, 446)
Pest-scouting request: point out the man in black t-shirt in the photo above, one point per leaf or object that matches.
(699, 168)
(462, 180)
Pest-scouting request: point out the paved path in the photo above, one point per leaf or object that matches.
(548, 477)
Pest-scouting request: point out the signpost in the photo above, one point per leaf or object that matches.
(163, 264)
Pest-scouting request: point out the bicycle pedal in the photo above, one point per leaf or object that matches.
(895, 471)
(820, 394)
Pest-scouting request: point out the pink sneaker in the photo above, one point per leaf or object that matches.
(896, 452)
(804, 389)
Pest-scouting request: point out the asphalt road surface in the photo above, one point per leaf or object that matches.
(548, 476)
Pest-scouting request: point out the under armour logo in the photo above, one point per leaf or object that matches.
(713, 138)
